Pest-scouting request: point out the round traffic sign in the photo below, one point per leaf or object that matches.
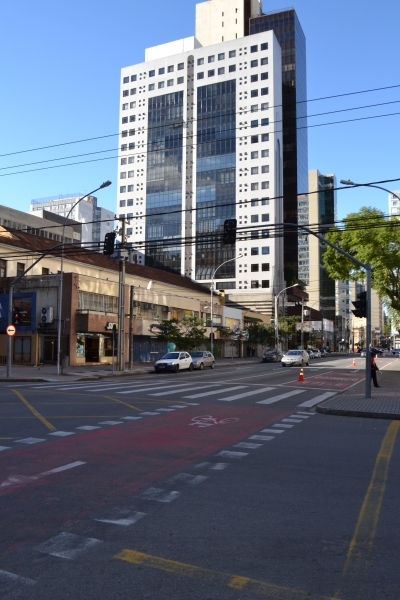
(11, 330)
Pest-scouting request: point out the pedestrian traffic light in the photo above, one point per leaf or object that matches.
(15, 317)
(229, 235)
(360, 305)
(109, 243)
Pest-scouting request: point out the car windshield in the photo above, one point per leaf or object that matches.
(171, 355)
(293, 353)
(196, 354)
(270, 352)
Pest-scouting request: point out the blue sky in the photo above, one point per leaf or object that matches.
(60, 69)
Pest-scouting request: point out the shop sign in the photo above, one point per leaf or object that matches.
(155, 328)
(110, 326)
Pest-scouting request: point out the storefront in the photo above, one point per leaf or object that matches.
(95, 348)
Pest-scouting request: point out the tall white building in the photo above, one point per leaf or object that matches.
(394, 203)
(201, 142)
(96, 221)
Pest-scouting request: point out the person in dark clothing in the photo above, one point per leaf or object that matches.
(253, 352)
(374, 369)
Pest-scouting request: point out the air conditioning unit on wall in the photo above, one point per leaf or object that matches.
(47, 314)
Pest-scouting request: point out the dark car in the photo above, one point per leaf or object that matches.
(272, 356)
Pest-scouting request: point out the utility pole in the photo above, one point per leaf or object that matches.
(121, 302)
(302, 321)
(131, 328)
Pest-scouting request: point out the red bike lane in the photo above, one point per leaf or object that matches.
(112, 465)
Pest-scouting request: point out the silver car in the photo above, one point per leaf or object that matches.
(202, 359)
(296, 357)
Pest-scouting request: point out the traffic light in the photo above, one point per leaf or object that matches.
(360, 305)
(109, 243)
(16, 317)
(229, 235)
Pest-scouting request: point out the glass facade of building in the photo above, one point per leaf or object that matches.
(215, 176)
(326, 216)
(289, 33)
(164, 181)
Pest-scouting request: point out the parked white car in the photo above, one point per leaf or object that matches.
(296, 357)
(174, 361)
(316, 352)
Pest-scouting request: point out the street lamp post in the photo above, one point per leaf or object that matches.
(211, 299)
(276, 311)
(59, 307)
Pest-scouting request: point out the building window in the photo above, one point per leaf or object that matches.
(264, 201)
(264, 122)
(211, 58)
(170, 82)
(265, 267)
(254, 284)
(254, 187)
(254, 203)
(132, 118)
(132, 132)
(133, 77)
(265, 283)
(265, 233)
(132, 104)
(133, 91)
(254, 93)
(254, 170)
(124, 147)
(3, 268)
(152, 73)
(124, 120)
(125, 80)
(254, 154)
(125, 93)
(254, 63)
(264, 46)
(123, 161)
(254, 219)
(181, 66)
(122, 203)
(130, 202)
(131, 145)
(211, 73)
(160, 84)
(265, 169)
(125, 106)
(254, 235)
(20, 268)
(254, 252)
(265, 217)
(129, 231)
(221, 71)
(221, 56)
(122, 175)
(254, 139)
(254, 268)
(253, 48)
(232, 53)
(151, 87)
(265, 137)
(180, 80)
(264, 61)
(264, 76)
(264, 91)
(254, 123)
(131, 173)
(264, 153)
(232, 68)
(254, 78)
(124, 133)
(130, 188)
(254, 108)
(161, 71)
(264, 106)
(122, 189)
(265, 250)
(200, 61)
(45, 271)
(265, 185)
(200, 75)
(171, 69)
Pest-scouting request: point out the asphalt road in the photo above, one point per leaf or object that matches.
(220, 484)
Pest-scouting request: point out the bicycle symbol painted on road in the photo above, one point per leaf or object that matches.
(208, 420)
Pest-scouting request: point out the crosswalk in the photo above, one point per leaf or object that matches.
(219, 391)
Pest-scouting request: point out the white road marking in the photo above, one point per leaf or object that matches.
(152, 388)
(265, 438)
(272, 430)
(229, 454)
(247, 445)
(165, 409)
(283, 425)
(4, 448)
(297, 416)
(245, 395)
(280, 397)
(219, 466)
(88, 427)
(131, 418)
(122, 517)
(159, 495)
(177, 406)
(19, 480)
(29, 441)
(192, 403)
(7, 578)
(184, 390)
(188, 478)
(202, 465)
(317, 400)
(67, 545)
(110, 423)
(302, 412)
(238, 387)
(292, 421)
(62, 433)
(150, 414)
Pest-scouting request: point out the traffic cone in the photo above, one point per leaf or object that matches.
(354, 362)
(301, 375)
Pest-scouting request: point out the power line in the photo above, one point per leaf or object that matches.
(276, 106)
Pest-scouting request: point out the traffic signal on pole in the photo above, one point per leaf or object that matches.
(229, 235)
(109, 243)
(15, 317)
(360, 305)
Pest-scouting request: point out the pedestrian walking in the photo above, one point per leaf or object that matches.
(374, 369)
(248, 350)
(253, 352)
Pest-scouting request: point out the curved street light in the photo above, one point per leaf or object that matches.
(276, 311)
(59, 308)
(379, 187)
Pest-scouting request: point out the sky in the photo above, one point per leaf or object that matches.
(60, 73)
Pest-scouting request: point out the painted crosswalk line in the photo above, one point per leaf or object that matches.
(264, 438)
(169, 392)
(238, 387)
(88, 427)
(29, 440)
(122, 517)
(316, 400)
(152, 388)
(285, 425)
(159, 495)
(280, 397)
(245, 394)
(67, 545)
(62, 433)
(4, 448)
(292, 421)
(10, 580)
(249, 445)
(272, 430)
(230, 454)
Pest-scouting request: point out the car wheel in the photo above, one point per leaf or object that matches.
(176, 369)
(201, 367)
(212, 365)
(157, 370)
(191, 367)
(283, 365)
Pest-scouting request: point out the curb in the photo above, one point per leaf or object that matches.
(356, 413)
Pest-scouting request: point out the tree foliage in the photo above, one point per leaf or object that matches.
(261, 334)
(373, 239)
(186, 335)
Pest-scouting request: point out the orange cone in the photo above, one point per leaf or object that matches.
(301, 375)
(354, 362)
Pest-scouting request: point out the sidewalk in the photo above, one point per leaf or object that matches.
(84, 373)
(384, 404)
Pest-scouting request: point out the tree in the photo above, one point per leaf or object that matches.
(186, 335)
(373, 239)
(261, 334)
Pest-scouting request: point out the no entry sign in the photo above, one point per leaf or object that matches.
(11, 330)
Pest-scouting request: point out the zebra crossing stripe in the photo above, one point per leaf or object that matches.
(245, 395)
(280, 397)
(316, 400)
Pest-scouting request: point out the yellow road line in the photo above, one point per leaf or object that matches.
(34, 411)
(124, 403)
(359, 553)
(235, 582)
